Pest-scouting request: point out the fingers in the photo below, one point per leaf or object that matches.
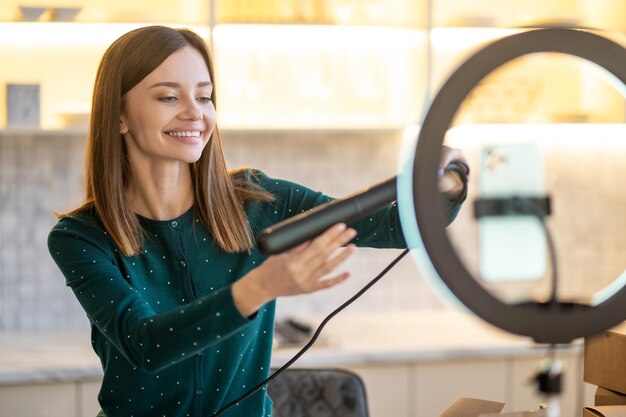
(306, 268)
(321, 281)
(451, 155)
(330, 264)
(322, 247)
(451, 184)
(331, 282)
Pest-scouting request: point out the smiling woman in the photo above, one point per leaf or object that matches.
(161, 253)
(138, 78)
(166, 125)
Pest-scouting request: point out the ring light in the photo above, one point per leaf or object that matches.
(556, 322)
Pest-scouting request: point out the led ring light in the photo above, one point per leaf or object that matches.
(545, 323)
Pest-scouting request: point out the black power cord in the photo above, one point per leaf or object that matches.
(530, 206)
(288, 234)
(313, 338)
(553, 261)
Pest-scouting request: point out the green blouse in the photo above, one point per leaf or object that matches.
(163, 322)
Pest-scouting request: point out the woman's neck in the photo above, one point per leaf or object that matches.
(160, 192)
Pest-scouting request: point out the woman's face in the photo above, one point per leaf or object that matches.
(169, 115)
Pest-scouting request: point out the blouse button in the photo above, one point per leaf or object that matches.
(199, 391)
(174, 223)
(183, 264)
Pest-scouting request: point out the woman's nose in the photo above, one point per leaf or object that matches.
(191, 110)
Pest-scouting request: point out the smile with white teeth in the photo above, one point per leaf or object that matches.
(184, 134)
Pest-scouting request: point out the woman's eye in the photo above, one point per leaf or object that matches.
(168, 99)
(204, 100)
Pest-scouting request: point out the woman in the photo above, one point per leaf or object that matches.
(161, 252)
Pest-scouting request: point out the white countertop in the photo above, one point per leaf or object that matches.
(418, 336)
(47, 357)
(394, 337)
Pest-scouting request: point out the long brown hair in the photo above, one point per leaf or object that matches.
(219, 196)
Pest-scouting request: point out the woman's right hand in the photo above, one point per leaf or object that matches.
(301, 270)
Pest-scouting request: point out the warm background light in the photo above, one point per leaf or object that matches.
(318, 76)
(333, 64)
(63, 58)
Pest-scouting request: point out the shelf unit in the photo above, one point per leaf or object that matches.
(329, 64)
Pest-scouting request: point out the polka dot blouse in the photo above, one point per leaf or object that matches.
(170, 339)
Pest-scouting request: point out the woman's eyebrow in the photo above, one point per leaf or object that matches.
(177, 85)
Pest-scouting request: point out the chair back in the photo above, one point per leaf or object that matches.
(298, 392)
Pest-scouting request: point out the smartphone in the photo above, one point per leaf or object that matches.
(512, 247)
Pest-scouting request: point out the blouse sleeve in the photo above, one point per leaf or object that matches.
(381, 229)
(150, 341)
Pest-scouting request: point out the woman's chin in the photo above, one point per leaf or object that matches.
(190, 159)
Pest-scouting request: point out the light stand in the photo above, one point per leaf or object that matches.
(549, 378)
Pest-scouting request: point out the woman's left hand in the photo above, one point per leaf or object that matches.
(450, 183)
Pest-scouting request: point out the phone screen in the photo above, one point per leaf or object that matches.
(511, 247)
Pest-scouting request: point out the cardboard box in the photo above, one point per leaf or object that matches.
(605, 359)
(472, 407)
(607, 397)
(605, 411)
